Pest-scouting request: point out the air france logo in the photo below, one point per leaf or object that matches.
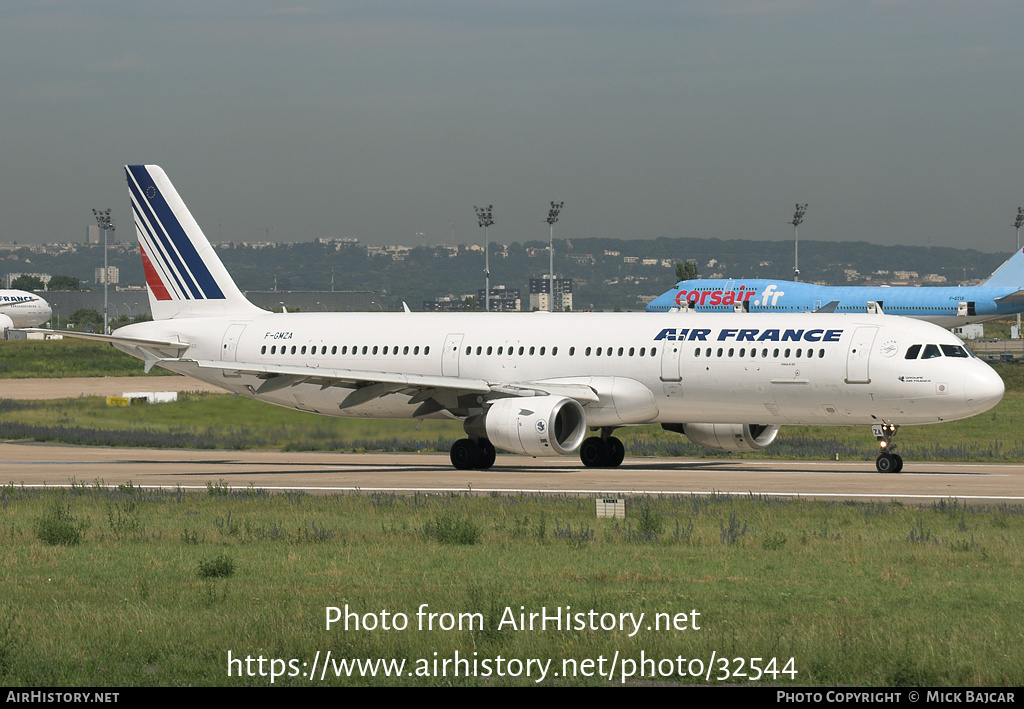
(748, 335)
(692, 298)
(17, 298)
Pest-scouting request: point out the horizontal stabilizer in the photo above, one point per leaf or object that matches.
(1012, 298)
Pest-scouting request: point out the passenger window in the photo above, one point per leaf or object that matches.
(931, 352)
(913, 351)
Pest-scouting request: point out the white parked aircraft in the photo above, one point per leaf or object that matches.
(533, 383)
(20, 308)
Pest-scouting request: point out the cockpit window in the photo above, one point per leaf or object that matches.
(954, 351)
(931, 352)
(913, 352)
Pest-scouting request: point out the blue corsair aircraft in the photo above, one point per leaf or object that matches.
(1001, 295)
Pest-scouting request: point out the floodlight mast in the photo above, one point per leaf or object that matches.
(105, 222)
(1017, 224)
(484, 217)
(556, 207)
(798, 218)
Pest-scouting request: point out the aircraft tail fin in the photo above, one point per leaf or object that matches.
(184, 275)
(1010, 274)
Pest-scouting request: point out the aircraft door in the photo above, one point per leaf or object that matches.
(859, 355)
(670, 361)
(229, 345)
(450, 357)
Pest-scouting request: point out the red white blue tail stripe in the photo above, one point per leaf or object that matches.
(184, 274)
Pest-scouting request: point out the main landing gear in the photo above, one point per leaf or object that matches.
(887, 461)
(604, 451)
(467, 454)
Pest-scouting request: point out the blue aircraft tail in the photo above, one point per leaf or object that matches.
(1010, 274)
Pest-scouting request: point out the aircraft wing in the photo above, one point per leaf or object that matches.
(141, 344)
(1012, 298)
(435, 393)
(829, 307)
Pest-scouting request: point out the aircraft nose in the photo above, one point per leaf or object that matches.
(983, 388)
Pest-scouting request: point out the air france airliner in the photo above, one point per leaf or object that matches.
(20, 308)
(534, 383)
(949, 306)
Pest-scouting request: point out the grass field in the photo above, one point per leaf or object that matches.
(21, 359)
(123, 587)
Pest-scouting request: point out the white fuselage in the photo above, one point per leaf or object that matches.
(23, 308)
(769, 369)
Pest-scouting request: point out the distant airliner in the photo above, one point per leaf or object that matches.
(20, 308)
(533, 383)
(1001, 295)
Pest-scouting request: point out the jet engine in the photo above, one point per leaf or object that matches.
(5, 324)
(537, 426)
(730, 437)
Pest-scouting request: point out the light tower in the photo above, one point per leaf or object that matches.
(556, 207)
(1017, 224)
(483, 216)
(798, 218)
(105, 222)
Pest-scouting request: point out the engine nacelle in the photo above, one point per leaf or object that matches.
(5, 324)
(731, 437)
(537, 426)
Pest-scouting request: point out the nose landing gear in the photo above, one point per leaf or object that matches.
(887, 461)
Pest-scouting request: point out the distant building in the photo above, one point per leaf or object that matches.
(446, 304)
(503, 300)
(113, 275)
(11, 277)
(540, 294)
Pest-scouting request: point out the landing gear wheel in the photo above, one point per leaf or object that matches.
(594, 452)
(887, 463)
(465, 454)
(616, 452)
(487, 454)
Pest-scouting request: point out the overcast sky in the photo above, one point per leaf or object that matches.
(897, 122)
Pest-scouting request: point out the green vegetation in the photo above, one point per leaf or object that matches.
(866, 594)
(60, 282)
(67, 358)
(27, 282)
